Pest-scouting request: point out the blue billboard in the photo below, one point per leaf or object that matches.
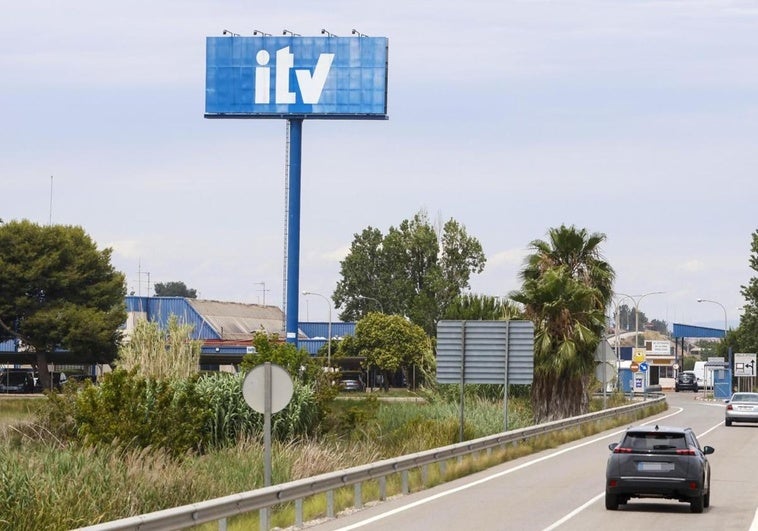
(294, 76)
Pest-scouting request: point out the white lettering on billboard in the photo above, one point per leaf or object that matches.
(311, 85)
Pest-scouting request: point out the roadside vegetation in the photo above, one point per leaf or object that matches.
(115, 479)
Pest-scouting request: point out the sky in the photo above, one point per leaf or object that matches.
(637, 119)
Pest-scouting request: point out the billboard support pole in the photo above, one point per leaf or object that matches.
(293, 228)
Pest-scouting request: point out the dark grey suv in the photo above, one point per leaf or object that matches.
(658, 462)
(686, 381)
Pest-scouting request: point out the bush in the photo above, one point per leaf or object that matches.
(177, 416)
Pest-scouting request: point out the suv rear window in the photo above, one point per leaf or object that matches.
(655, 441)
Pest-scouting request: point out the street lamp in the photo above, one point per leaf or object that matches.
(616, 333)
(636, 302)
(722, 307)
(329, 328)
(381, 309)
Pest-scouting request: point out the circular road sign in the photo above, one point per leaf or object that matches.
(634, 366)
(254, 385)
(643, 366)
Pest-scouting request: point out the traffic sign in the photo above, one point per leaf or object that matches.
(643, 366)
(634, 366)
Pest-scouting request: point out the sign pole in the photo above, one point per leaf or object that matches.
(267, 424)
(505, 382)
(266, 436)
(463, 375)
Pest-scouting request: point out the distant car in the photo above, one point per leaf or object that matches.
(16, 381)
(352, 382)
(658, 462)
(686, 381)
(741, 407)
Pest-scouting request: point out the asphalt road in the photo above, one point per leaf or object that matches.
(563, 488)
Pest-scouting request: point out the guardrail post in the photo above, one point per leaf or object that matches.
(222, 524)
(299, 513)
(443, 469)
(263, 516)
(383, 488)
(358, 501)
(404, 475)
(424, 474)
(330, 504)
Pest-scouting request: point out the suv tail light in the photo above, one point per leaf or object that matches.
(622, 450)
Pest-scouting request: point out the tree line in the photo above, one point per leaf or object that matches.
(58, 291)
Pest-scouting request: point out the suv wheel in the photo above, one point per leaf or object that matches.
(697, 503)
(611, 502)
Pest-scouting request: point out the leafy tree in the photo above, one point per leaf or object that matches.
(391, 343)
(410, 271)
(566, 289)
(746, 334)
(57, 291)
(659, 326)
(297, 362)
(174, 289)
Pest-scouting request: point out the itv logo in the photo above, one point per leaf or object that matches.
(310, 85)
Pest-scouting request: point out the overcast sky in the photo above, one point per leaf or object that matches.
(636, 119)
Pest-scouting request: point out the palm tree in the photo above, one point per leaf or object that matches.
(566, 288)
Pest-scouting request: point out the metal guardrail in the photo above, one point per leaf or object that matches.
(219, 509)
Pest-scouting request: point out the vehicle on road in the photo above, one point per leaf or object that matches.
(741, 407)
(704, 374)
(658, 462)
(686, 381)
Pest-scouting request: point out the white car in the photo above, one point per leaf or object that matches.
(741, 407)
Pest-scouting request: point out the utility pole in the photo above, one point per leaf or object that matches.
(263, 289)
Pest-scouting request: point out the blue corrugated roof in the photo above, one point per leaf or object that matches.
(321, 329)
(160, 309)
(683, 330)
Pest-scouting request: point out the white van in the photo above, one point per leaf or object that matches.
(702, 374)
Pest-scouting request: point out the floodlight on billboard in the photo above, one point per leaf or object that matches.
(296, 77)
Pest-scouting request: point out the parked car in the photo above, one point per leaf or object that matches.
(686, 381)
(352, 382)
(16, 381)
(741, 407)
(658, 462)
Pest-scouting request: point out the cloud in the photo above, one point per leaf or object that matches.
(508, 257)
(692, 266)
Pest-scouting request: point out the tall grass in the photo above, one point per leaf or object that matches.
(51, 484)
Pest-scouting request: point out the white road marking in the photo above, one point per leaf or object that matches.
(486, 479)
(576, 511)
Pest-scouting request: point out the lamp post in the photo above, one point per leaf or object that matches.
(381, 309)
(636, 302)
(728, 351)
(723, 308)
(329, 328)
(616, 332)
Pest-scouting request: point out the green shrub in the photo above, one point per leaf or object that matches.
(142, 412)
